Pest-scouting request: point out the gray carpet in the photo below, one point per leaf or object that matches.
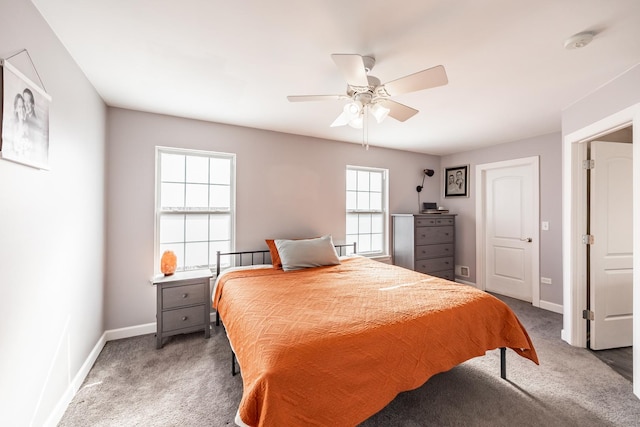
(188, 383)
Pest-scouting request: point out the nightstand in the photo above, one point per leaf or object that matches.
(183, 303)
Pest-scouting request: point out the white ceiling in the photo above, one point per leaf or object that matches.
(236, 61)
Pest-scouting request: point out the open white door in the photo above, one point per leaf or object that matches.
(511, 233)
(611, 253)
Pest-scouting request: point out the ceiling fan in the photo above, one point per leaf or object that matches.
(368, 95)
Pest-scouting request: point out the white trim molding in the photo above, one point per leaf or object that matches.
(551, 306)
(574, 223)
(73, 387)
(480, 179)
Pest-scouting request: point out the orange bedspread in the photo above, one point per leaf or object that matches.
(334, 345)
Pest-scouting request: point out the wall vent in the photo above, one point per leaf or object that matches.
(462, 271)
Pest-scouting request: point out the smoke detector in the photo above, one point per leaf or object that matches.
(579, 40)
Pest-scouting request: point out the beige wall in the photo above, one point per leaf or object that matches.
(549, 149)
(287, 186)
(51, 232)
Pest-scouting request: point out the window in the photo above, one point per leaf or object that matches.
(195, 205)
(366, 209)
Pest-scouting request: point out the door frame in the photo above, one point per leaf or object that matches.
(574, 223)
(481, 172)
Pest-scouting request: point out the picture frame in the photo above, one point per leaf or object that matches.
(24, 110)
(456, 181)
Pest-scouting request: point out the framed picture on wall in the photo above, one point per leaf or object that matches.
(25, 119)
(456, 181)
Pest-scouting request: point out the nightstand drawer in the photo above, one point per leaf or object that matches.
(182, 318)
(180, 296)
(430, 251)
(436, 264)
(430, 235)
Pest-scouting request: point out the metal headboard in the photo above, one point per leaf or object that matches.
(264, 256)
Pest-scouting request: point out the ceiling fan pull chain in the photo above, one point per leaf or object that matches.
(366, 123)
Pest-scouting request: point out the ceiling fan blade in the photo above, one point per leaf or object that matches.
(304, 98)
(425, 79)
(398, 111)
(341, 120)
(352, 68)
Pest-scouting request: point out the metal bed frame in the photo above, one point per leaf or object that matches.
(264, 256)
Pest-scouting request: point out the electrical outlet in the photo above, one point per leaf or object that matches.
(545, 280)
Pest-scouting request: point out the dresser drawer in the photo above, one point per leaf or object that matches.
(181, 318)
(433, 222)
(431, 235)
(446, 274)
(425, 222)
(179, 296)
(436, 264)
(444, 221)
(431, 251)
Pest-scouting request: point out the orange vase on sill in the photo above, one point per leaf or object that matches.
(168, 263)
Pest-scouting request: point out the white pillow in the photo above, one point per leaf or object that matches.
(298, 254)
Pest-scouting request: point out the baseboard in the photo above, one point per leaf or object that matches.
(131, 331)
(464, 282)
(551, 306)
(75, 384)
(545, 305)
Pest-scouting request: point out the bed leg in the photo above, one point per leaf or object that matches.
(217, 318)
(503, 363)
(233, 364)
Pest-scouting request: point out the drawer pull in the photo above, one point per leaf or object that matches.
(185, 295)
(184, 318)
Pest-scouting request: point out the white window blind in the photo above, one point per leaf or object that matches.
(367, 209)
(195, 205)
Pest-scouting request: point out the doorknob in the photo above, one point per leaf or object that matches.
(528, 239)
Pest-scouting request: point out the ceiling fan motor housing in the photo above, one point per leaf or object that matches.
(364, 94)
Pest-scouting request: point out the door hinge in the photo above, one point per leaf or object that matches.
(588, 239)
(588, 164)
(588, 314)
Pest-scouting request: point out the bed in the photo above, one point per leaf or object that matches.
(333, 344)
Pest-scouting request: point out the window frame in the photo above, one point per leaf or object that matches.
(159, 212)
(384, 209)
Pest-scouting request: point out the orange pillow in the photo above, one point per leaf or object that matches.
(275, 256)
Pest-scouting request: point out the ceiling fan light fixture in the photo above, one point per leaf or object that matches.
(353, 109)
(379, 112)
(357, 122)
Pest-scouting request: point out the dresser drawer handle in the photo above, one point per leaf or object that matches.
(185, 295)
(184, 318)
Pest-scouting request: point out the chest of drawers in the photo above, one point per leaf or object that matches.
(425, 243)
(183, 304)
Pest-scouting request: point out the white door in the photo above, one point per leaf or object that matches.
(509, 231)
(611, 254)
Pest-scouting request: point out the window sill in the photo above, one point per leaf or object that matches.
(386, 259)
